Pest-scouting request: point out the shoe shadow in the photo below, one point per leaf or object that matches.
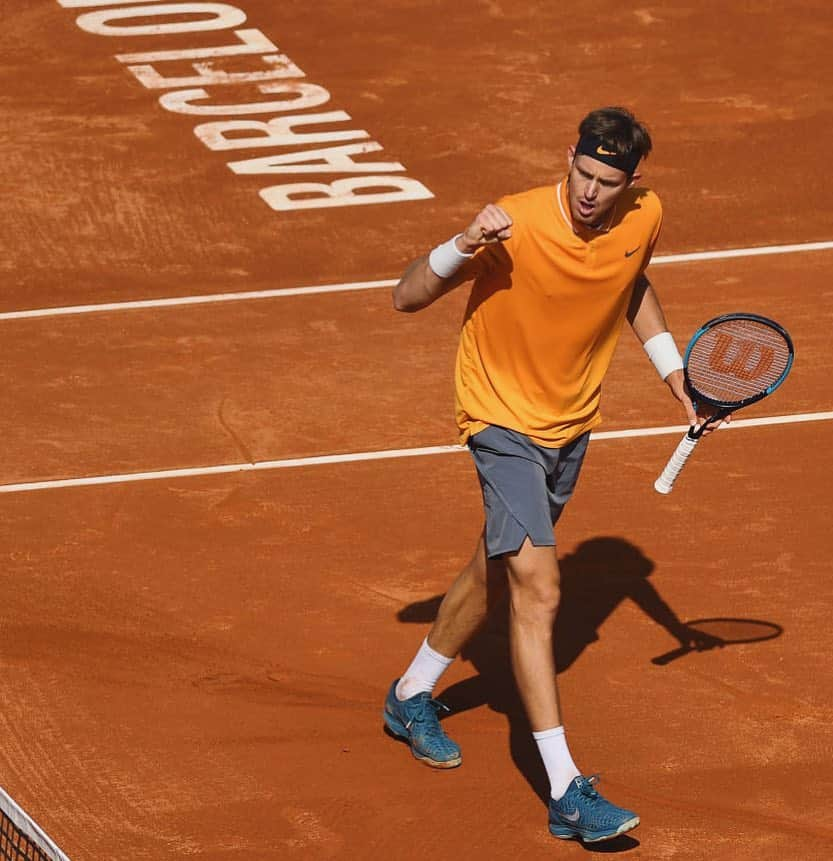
(598, 576)
(625, 843)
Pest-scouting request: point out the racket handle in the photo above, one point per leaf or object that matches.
(673, 468)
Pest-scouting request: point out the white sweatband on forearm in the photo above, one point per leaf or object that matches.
(663, 352)
(446, 259)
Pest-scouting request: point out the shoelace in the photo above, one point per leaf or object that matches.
(589, 786)
(431, 720)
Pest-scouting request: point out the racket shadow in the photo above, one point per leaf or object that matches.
(596, 578)
(716, 633)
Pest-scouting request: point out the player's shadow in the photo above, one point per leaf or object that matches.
(595, 579)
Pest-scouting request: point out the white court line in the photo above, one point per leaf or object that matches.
(290, 463)
(373, 285)
(194, 300)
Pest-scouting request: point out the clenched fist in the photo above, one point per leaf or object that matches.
(492, 224)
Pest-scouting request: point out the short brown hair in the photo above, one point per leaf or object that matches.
(619, 129)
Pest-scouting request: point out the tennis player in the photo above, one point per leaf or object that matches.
(556, 273)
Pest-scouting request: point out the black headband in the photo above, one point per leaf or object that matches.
(596, 148)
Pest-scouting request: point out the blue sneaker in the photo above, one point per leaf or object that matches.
(583, 813)
(416, 721)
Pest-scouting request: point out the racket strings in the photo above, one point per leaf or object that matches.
(736, 360)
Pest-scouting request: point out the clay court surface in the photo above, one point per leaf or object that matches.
(195, 666)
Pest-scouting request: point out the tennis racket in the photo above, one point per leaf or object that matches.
(731, 362)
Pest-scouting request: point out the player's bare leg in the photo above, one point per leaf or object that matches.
(410, 713)
(576, 809)
(533, 603)
(467, 603)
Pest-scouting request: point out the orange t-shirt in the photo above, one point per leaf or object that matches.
(545, 313)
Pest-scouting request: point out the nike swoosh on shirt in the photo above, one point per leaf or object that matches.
(631, 253)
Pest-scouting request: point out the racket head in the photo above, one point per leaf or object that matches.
(736, 359)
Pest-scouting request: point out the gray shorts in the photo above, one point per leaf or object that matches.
(525, 486)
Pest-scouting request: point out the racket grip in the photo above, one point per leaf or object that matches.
(673, 468)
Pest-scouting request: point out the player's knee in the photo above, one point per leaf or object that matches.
(536, 596)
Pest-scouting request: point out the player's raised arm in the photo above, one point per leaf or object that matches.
(434, 275)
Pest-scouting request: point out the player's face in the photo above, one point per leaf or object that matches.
(593, 188)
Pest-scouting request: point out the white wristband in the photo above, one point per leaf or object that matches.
(663, 352)
(446, 259)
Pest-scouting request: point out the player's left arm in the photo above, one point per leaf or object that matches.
(648, 321)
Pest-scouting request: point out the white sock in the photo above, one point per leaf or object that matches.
(561, 770)
(424, 672)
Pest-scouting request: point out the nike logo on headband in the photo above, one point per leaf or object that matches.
(602, 151)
